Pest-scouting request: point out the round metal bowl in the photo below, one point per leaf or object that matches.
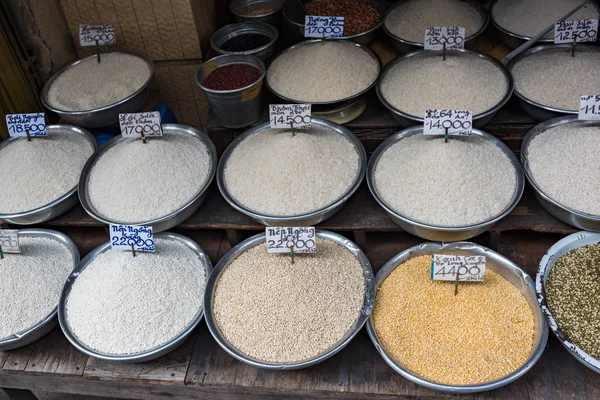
(308, 219)
(539, 111)
(259, 240)
(168, 221)
(44, 326)
(407, 46)
(495, 262)
(102, 116)
(433, 232)
(560, 248)
(263, 53)
(59, 206)
(563, 213)
(267, 11)
(324, 103)
(148, 354)
(479, 120)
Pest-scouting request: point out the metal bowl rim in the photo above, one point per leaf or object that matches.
(251, 58)
(145, 355)
(258, 27)
(275, 9)
(259, 239)
(321, 123)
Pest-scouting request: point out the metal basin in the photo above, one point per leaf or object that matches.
(259, 240)
(433, 232)
(148, 354)
(495, 262)
(263, 53)
(308, 219)
(44, 326)
(168, 221)
(102, 116)
(560, 248)
(479, 120)
(563, 213)
(266, 11)
(59, 206)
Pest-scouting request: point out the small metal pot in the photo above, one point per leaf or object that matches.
(407, 46)
(495, 262)
(309, 219)
(106, 115)
(146, 355)
(479, 120)
(168, 221)
(59, 206)
(263, 53)
(263, 11)
(46, 325)
(259, 240)
(569, 216)
(433, 232)
(560, 248)
(235, 108)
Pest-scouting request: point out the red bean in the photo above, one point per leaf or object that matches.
(233, 76)
(358, 15)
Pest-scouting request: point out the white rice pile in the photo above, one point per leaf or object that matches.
(409, 20)
(91, 84)
(31, 283)
(135, 182)
(273, 173)
(122, 304)
(554, 78)
(565, 165)
(461, 82)
(530, 17)
(322, 72)
(466, 181)
(36, 173)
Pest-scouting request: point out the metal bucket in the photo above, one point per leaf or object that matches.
(236, 108)
(264, 11)
(263, 53)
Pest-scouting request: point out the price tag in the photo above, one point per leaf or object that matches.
(92, 35)
(319, 27)
(458, 122)
(283, 115)
(281, 239)
(133, 125)
(436, 36)
(20, 124)
(468, 268)
(589, 108)
(9, 240)
(123, 236)
(579, 30)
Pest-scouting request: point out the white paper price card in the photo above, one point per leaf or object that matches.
(589, 108)
(290, 115)
(9, 241)
(96, 35)
(579, 30)
(449, 267)
(20, 124)
(134, 125)
(123, 236)
(281, 239)
(320, 27)
(437, 36)
(458, 122)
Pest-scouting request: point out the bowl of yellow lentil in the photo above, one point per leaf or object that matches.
(465, 338)
(568, 285)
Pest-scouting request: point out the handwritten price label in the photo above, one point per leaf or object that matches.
(123, 236)
(468, 268)
(452, 36)
(579, 30)
(20, 124)
(458, 122)
(319, 27)
(133, 125)
(9, 240)
(589, 108)
(92, 35)
(281, 239)
(283, 115)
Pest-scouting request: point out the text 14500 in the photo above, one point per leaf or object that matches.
(290, 115)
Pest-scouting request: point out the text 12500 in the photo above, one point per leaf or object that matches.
(283, 239)
(21, 124)
(96, 35)
(290, 116)
(462, 268)
(122, 237)
(582, 30)
(146, 123)
(452, 36)
(456, 122)
(319, 27)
